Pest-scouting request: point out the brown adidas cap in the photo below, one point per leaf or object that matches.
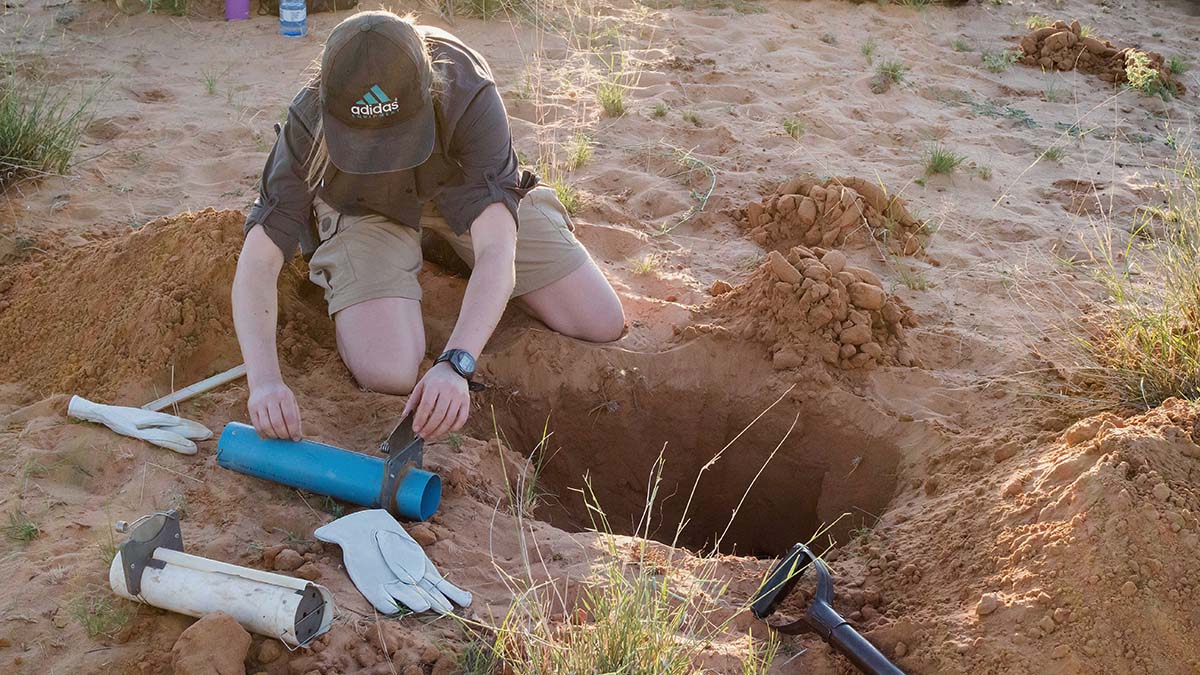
(376, 101)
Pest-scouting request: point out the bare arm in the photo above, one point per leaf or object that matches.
(272, 406)
(442, 399)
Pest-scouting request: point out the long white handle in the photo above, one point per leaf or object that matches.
(196, 389)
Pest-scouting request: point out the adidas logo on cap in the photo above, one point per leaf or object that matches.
(374, 103)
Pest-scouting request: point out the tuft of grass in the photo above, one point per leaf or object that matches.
(1054, 153)
(1086, 31)
(645, 265)
(868, 50)
(332, 507)
(639, 612)
(911, 277)
(1146, 341)
(660, 110)
(611, 96)
(961, 45)
(579, 151)
(211, 80)
(567, 193)
(892, 71)
(21, 527)
(941, 160)
(40, 128)
(794, 127)
(998, 62)
(692, 118)
(1177, 65)
(98, 614)
(985, 172)
(1052, 94)
(1036, 21)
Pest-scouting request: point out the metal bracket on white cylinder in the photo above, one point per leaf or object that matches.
(137, 555)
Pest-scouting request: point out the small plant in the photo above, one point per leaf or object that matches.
(794, 127)
(692, 118)
(332, 507)
(961, 45)
(985, 172)
(211, 79)
(21, 528)
(611, 96)
(660, 110)
(108, 548)
(1054, 153)
(99, 615)
(892, 71)
(1143, 76)
(828, 38)
(579, 151)
(1085, 31)
(1036, 21)
(454, 440)
(1052, 94)
(645, 265)
(1177, 65)
(868, 50)
(910, 276)
(998, 62)
(941, 160)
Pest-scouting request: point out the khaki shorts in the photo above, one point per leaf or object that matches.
(363, 258)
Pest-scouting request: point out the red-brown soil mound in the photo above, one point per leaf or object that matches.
(113, 315)
(832, 213)
(812, 305)
(1063, 46)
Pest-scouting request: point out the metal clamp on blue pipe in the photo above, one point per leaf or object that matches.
(397, 484)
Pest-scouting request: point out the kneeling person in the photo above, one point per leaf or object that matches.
(403, 128)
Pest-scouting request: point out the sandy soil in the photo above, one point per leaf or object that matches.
(987, 529)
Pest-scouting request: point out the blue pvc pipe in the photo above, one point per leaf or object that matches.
(323, 469)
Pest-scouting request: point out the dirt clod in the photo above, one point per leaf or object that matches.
(836, 212)
(988, 603)
(804, 312)
(288, 560)
(214, 645)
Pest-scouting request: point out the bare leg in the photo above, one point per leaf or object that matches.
(581, 305)
(382, 342)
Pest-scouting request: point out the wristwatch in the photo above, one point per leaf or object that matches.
(460, 360)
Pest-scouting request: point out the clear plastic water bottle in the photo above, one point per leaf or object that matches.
(293, 18)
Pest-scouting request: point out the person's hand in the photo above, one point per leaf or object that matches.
(274, 411)
(440, 402)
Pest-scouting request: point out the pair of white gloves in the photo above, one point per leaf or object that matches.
(161, 429)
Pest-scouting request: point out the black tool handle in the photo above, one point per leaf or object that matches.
(861, 653)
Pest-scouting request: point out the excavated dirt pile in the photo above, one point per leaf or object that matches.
(1076, 547)
(1063, 46)
(811, 305)
(835, 212)
(122, 313)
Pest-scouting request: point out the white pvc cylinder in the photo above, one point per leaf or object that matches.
(262, 602)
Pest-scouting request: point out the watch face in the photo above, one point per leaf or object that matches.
(464, 363)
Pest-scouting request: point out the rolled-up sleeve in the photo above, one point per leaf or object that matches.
(482, 146)
(284, 202)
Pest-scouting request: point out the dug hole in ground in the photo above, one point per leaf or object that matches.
(825, 348)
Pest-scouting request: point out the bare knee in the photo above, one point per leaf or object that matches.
(604, 326)
(395, 378)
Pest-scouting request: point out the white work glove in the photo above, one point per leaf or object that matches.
(161, 429)
(388, 566)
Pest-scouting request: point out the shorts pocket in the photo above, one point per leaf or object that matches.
(331, 267)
